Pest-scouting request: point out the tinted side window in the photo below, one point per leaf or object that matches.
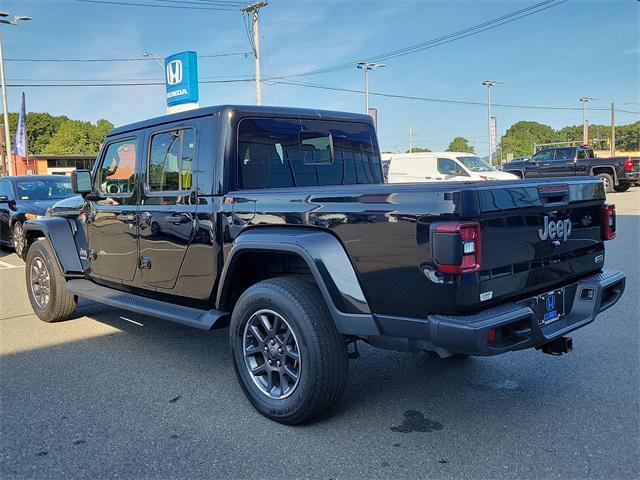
(290, 152)
(117, 172)
(171, 160)
(565, 153)
(5, 189)
(446, 166)
(543, 155)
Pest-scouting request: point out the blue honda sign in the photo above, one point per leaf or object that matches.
(181, 78)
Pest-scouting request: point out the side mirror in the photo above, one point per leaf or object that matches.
(81, 181)
(4, 199)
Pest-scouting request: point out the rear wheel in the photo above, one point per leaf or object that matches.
(607, 180)
(19, 241)
(623, 187)
(289, 358)
(46, 284)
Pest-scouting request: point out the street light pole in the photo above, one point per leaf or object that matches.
(4, 18)
(585, 128)
(489, 84)
(160, 61)
(366, 66)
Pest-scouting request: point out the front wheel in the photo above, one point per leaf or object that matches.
(289, 358)
(623, 187)
(19, 242)
(46, 284)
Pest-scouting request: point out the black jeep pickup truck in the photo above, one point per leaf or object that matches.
(276, 222)
(617, 173)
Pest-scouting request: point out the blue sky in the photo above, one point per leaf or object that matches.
(551, 58)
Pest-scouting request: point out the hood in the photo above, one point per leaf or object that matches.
(497, 175)
(38, 207)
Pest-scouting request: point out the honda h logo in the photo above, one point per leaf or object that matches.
(551, 302)
(174, 72)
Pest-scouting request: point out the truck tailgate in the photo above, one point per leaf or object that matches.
(538, 236)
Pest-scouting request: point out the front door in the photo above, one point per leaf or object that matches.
(112, 221)
(168, 206)
(5, 210)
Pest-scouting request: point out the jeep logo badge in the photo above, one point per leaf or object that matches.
(552, 229)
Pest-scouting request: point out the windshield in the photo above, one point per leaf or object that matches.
(44, 189)
(476, 164)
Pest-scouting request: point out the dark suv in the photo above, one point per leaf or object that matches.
(277, 223)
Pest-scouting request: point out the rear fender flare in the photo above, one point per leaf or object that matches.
(328, 262)
(517, 171)
(605, 169)
(60, 233)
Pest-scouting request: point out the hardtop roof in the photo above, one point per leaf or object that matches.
(241, 110)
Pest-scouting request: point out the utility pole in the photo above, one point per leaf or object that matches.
(489, 84)
(585, 126)
(410, 138)
(253, 9)
(366, 66)
(4, 19)
(612, 147)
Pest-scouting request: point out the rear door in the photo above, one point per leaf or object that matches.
(168, 206)
(112, 220)
(563, 164)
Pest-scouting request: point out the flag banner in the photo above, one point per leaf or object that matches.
(494, 135)
(20, 143)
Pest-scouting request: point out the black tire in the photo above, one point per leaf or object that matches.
(19, 240)
(608, 182)
(623, 187)
(59, 304)
(322, 366)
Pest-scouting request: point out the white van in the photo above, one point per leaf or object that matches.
(436, 166)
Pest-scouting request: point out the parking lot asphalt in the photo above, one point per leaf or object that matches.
(118, 395)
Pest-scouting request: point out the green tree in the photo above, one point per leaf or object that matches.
(78, 137)
(460, 144)
(520, 138)
(418, 150)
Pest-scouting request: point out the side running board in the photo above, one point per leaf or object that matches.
(192, 317)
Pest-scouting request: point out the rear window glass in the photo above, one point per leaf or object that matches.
(276, 153)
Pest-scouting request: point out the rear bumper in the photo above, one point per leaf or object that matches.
(515, 324)
(629, 177)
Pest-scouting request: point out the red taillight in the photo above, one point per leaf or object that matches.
(491, 335)
(463, 245)
(609, 222)
(628, 164)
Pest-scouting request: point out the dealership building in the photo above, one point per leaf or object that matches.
(44, 164)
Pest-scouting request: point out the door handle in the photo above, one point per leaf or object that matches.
(126, 217)
(178, 218)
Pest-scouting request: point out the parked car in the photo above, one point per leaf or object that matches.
(27, 198)
(282, 228)
(617, 173)
(438, 166)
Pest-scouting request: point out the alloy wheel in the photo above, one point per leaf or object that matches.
(40, 282)
(271, 354)
(18, 239)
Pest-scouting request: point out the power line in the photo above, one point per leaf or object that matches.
(133, 4)
(134, 59)
(213, 3)
(321, 87)
(438, 41)
(439, 100)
